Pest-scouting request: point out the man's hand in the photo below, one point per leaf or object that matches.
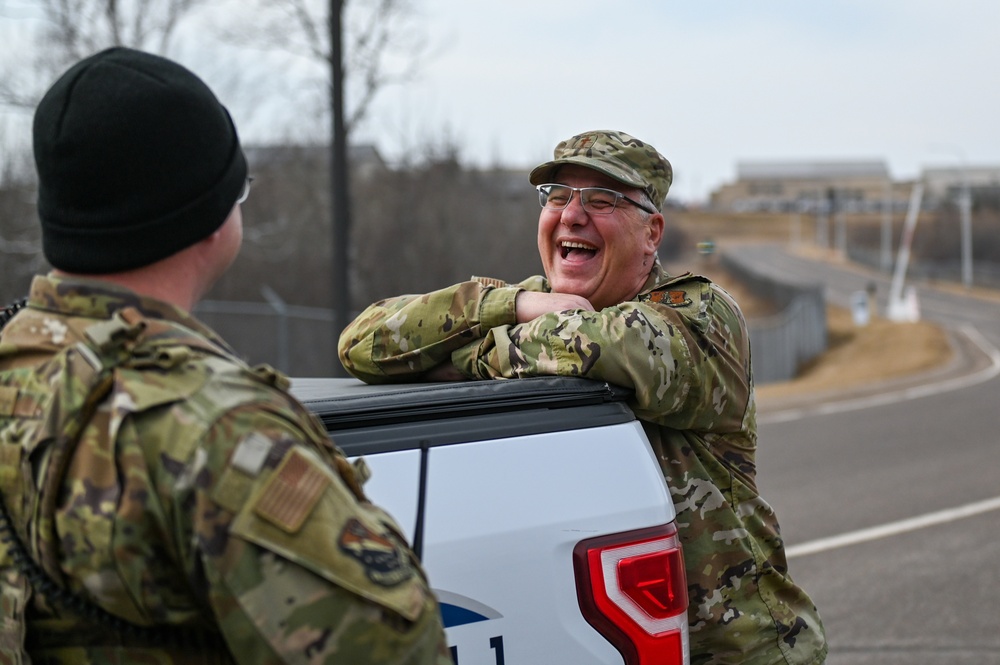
(530, 304)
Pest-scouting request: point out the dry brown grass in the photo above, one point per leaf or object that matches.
(856, 356)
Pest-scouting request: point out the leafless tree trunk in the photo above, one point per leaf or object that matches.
(353, 48)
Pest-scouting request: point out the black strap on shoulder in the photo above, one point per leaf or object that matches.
(10, 310)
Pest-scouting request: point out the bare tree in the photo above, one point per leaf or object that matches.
(381, 46)
(67, 30)
(80, 27)
(352, 43)
(20, 237)
(73, 29)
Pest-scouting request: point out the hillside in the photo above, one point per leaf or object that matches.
(856, 355)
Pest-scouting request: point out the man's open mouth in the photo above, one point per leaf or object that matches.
(577, 250)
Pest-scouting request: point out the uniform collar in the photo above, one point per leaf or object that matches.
(98, 299)
(658, 277)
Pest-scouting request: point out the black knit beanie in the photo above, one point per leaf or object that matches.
(136, 160)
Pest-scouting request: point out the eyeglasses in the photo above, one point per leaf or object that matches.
(595, 200)
(245, 194)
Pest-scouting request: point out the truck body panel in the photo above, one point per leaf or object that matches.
(510, 475)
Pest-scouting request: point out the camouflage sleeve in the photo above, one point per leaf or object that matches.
(400, 338)
(687, 362)
(296, 567)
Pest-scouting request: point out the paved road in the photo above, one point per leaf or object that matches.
(914, 486)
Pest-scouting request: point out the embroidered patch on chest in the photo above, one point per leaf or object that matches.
(381, 556)
(490, 281)
(671, 298)
(292, 492)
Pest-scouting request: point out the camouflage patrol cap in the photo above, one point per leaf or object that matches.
(615, 154)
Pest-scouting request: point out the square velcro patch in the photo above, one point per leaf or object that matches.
(8, 398)
(292, 492)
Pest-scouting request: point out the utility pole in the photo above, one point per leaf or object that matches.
(840, 223)
(965, 211)
(965, 206)
(340, 203)
(885, 246)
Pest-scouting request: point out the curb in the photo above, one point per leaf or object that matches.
(973, 360)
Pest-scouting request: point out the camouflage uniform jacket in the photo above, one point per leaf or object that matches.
(682, 346)
(193, 496)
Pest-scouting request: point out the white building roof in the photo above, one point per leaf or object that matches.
(807, 170)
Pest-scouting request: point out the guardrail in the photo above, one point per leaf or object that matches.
(780, 344)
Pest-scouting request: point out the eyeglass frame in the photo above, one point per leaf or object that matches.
(618, 196)
(245, 193)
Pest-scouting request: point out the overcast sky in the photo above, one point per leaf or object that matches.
(710, 83)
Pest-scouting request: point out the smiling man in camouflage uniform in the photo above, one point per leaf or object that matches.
(162, 501)
(607, 310)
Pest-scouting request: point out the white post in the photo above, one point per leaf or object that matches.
(896, 305)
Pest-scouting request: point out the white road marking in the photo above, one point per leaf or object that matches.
(893, 528)
(893, 397)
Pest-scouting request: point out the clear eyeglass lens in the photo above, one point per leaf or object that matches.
(595, 199)
(601, 201)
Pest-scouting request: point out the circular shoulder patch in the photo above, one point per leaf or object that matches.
(380, 554)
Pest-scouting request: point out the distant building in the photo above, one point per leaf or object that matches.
(809, 186)
(946, 183)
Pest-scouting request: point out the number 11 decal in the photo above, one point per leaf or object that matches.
(496, 643)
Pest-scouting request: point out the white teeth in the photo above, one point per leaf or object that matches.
(576, 245)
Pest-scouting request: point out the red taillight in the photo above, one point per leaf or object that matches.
(655, 582)
(632, 589)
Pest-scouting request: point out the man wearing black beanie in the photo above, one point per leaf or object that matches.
(161, 500)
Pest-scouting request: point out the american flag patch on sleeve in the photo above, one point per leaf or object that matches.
(292, 492)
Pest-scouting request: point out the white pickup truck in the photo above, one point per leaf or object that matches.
(537, 507)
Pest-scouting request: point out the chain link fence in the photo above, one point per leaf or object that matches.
(300, 340)
(297, 340)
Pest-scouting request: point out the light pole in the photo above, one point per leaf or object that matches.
(885, 246)
(965, 212)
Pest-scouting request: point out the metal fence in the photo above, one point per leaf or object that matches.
(782, 343)
(299, 340)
